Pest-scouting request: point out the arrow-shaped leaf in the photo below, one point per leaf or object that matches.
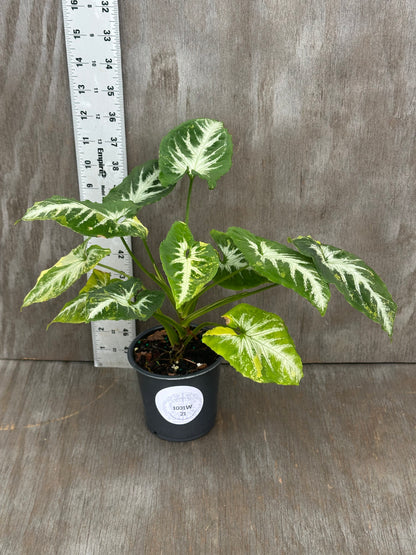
(200, 147)
(280, 264)
(360, 285)
(231, 261)
(54, 281)
(188, 264)
(257, 344)
(117, 300)
(109, 219)
(141, 186)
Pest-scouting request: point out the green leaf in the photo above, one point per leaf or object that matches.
(141, 186)
(117, 300)
(233, 261)
(97, 279)
(188, 264)
(280, 264)
(109, 219)
(257, 344)
(360, 285)
(54, 281)
(200, 147)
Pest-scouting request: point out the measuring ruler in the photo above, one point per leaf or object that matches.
(92, 39)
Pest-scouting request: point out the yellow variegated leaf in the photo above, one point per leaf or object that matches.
(257, 344)
(107, 219)
(117, 300)
(54, 281)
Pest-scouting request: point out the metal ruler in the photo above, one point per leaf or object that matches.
(92, 39)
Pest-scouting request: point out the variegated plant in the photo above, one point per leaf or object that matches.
(255, 342)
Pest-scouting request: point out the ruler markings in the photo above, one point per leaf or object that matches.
(95, 78)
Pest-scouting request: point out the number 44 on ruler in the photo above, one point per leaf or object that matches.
(92, 39)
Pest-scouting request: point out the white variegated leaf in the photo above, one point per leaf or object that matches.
(117, 300)
(280, 264)
(188, 264)
(141, 186)
(359, 283)
(200, 147)
(109, 219)
(57, 279)
(257, 344)
(232, 261)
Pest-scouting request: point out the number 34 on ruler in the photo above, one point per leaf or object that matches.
(92, 39)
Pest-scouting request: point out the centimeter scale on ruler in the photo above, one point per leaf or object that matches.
(94, 66)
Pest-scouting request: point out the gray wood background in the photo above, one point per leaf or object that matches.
(319, 96)
(327, 468)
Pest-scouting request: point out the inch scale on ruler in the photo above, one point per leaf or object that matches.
(92, 39)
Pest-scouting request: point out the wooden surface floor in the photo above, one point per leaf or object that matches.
(328, 467)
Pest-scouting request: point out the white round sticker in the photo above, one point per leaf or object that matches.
(179, 404)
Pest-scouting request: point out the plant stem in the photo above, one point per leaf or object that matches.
(159, 277)
(188, 201)
(152, 260)
(224, 278)
(170, 329)
(114, 270)
(169, 321)
(138, 264)
(223, 302)
(197, 329)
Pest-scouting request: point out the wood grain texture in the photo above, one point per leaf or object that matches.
(38, 160)
(319, 97)
(327, 467)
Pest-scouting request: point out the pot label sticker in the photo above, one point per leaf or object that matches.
(179, 404)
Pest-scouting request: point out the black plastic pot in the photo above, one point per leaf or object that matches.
(178, 408)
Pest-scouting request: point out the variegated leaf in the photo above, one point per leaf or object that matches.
(188, 264)
(109, 219)
(75, 311)
(200, 147)
(257, 344)
(118, 300)
(280, 264)
(231, 261)
(360, 285)
(97, 279)
(141, 186)
(54, 281)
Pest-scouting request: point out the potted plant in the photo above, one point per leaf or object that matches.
(178, 362)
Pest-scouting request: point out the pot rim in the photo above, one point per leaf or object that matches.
(143, 372)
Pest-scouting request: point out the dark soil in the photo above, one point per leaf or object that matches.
(154, 353)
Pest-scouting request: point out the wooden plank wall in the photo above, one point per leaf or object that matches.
(319, 96)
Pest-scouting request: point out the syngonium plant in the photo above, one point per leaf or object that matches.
(255, 342)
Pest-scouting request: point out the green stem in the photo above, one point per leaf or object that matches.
(229, 276)
(159, 278)
(114, 270)
(170, 329)
(138, 264)
(188, 201)
(170, 321)
(223, 302)
(197, 329)
(159, 282)
(152, 260)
